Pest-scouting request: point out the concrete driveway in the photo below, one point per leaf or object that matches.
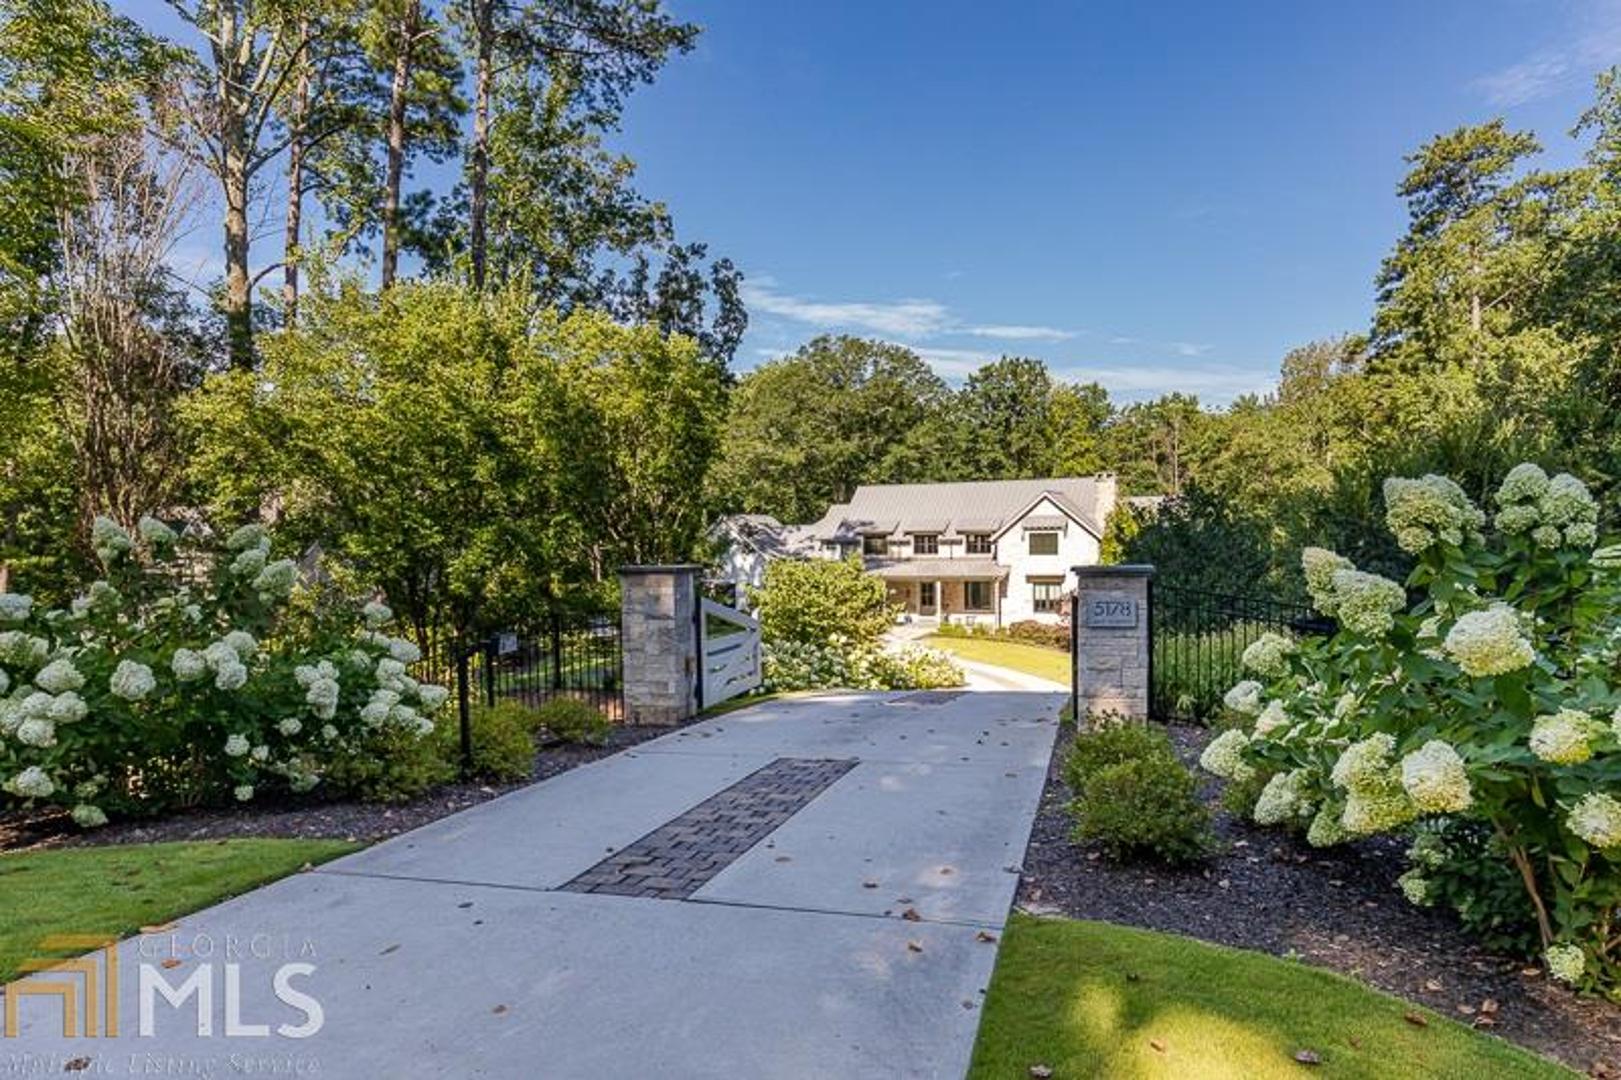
(806, 888)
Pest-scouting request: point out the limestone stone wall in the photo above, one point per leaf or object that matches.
(659, 641)
(1111, 640)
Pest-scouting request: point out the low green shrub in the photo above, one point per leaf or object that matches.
(1031, 632)
(393, 766)
(1098, 749)
(574, 721)
(1147, 807)
(503, 738)
(1460, 865)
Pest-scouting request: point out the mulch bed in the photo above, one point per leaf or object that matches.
(308, 818)
(1337, 908)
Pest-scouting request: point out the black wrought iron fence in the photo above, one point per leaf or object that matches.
(1197, 639)
(562, 656)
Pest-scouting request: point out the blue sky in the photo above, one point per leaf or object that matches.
(1161, 196)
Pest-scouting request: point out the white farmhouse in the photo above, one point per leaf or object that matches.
(978, 551)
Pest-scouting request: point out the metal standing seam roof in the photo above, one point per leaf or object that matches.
(940, 570)
(966, 506)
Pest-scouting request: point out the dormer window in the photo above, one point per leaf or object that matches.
(978, 544)
(925, 543)
(875, 545)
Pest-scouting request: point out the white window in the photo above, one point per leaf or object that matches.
(978, 544)
(1046, 594)
(1044, 543)
(875, 545)
(925, 544)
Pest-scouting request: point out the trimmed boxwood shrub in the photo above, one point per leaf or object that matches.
(574, 721)
(1146, 807)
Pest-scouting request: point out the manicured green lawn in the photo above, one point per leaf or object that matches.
(118, 889)
(1090, 999)
(1031, 659)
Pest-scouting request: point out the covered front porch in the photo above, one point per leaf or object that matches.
(965, 591)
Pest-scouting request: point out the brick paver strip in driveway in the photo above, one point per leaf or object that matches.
(679, 857)
(854, 939)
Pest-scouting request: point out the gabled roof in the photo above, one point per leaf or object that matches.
(983, 506)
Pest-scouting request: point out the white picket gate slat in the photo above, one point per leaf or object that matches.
(730, 660)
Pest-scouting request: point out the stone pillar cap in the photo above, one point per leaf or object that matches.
(1115, 570)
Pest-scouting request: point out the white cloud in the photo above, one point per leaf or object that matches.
(1214, 384)
(1553, 69)
(1019, 333)
(904, 318)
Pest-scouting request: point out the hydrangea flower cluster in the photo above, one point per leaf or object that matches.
(15, 608)
(1488, 642)
(320, 683)
(377, 614)
(1375, 800)
(1427, 511)
(109, 540)
(1286, 797)
(1272, 718)
(132, 681)
(1224, 756)
(1416, 887)
(1319, 566)
(156, 534)
(1596, 818)
(31, 783)
(1244, 698)
(1555, 512)
(22, 649)
(1565, 738)
(1268, 655)
(1435, 779)
(227, 657)
(1567, 963)
(59, 676)
(1365, 603)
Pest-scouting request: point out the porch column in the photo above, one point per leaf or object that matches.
(940, 601)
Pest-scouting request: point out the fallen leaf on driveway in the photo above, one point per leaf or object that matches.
(915, 946)
(911, 915)
(985, 935)
(499, 1009)
(172, 962)
(392, 948)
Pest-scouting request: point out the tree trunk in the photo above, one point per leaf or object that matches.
(238, 288)
(299, 122)
(479, 164)
(234, 178)
(408, 27)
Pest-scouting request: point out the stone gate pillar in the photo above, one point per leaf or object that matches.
(659, 639)
(1112, 648)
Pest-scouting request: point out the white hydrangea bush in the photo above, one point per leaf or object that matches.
(188, 674)
(843, 664)
(1486, 689)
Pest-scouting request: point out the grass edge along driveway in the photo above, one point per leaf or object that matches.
(1037, 660)
(1093, 999)
(117, 889)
